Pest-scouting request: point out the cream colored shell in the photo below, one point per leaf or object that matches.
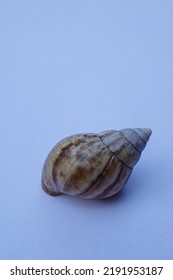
(93, 165)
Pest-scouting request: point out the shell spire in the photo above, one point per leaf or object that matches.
(137, 137)
(126, 144)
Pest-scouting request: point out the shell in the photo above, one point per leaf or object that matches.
(93, 165)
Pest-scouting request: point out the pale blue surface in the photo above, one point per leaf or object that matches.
(85, 66)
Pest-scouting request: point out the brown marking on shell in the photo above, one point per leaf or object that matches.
(98, 182)
(118, 183)
(63, 155)
(72, 159)
(76, 179)
(107, 182)
(90, 162)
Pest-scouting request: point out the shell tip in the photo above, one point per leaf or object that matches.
(147, 131)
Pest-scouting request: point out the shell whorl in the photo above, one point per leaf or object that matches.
(93, 165)
(126, 144)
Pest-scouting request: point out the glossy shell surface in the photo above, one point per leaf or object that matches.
(93, 165)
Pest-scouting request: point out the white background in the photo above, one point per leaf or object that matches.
(85, 66)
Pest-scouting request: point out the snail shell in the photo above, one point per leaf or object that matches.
(93, 165)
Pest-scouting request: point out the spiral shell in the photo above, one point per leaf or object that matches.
(93, 165)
